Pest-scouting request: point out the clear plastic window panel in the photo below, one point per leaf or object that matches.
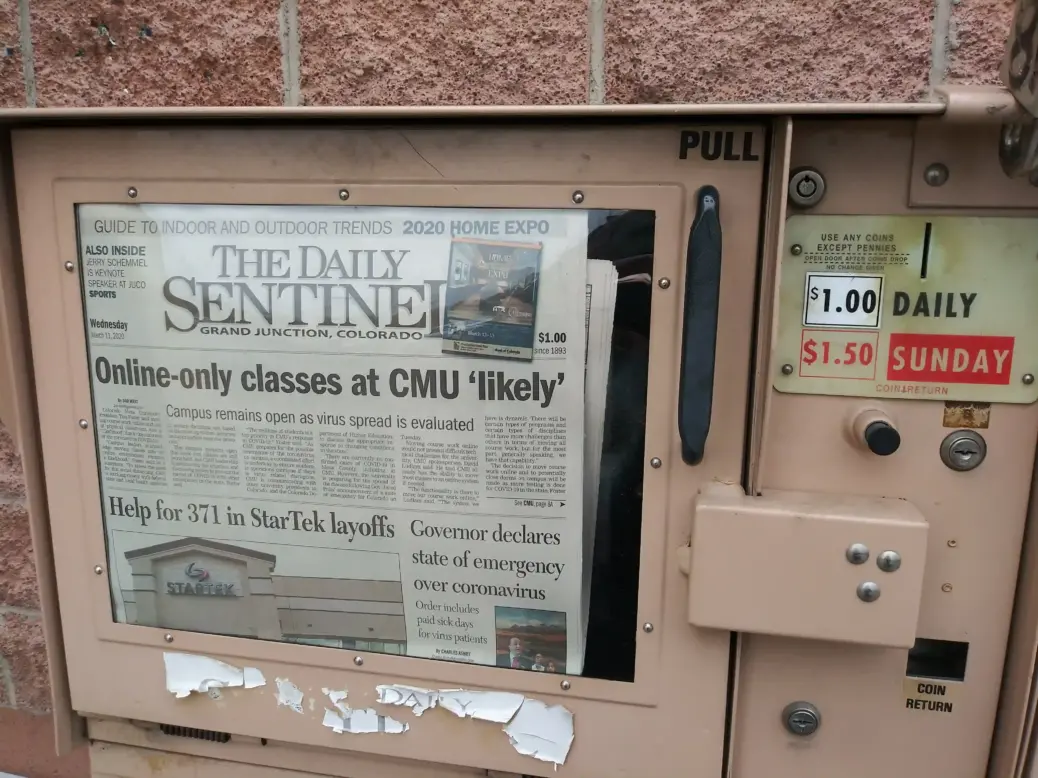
(416, 431)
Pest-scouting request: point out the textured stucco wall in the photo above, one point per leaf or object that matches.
(372, 52)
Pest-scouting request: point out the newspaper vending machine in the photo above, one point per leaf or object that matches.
(592, 442)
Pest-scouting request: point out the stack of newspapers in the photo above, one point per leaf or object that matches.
(599, 302)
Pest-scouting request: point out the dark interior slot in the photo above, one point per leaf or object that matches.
(944, 659)
(926, 249)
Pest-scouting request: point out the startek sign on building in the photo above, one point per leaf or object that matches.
(198, 584)
(914, 307)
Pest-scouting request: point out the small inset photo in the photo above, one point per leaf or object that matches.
(491, 298)
(530, 639)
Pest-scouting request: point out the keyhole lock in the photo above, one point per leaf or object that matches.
(806, 187)
(801, 718)
(963, 450)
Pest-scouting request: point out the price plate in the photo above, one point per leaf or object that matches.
(909, 307)
(842, 300)
(838, 354)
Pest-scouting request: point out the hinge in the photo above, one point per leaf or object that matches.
(1018, 144)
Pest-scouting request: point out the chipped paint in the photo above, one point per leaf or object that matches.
(186, 673)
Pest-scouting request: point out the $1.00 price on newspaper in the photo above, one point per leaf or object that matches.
(338, 426)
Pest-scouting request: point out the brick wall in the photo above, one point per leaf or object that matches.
(369, 52)
(26, 739)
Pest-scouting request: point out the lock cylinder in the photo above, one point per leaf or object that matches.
(876, 431)
(963, 450)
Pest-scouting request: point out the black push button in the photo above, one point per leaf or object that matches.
(882, 439)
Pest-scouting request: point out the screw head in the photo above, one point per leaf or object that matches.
(70, 266)
(358, 660)
(952, 543)
(868, 591)
(936, 174)
(664, 283)
(946, 587)
(656, 462)
(787, 369)
(564, 686)
(83, 424)
(98, 569)
(131, 192)
(857, 553)
(1028, 378)
(888, 561)
(168, 638)
(647, 626)
(796, 249)
(578, 197)
(344, 194)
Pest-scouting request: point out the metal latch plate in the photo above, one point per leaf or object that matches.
(780, 565)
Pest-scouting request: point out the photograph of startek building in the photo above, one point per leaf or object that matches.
(205, 586)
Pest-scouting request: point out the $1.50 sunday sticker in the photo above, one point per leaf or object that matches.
(913, 307)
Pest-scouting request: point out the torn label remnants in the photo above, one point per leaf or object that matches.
(186, 673)
(289, 695)
(357, 722)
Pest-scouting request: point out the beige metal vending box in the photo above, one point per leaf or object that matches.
(323, 401)
(615, 442)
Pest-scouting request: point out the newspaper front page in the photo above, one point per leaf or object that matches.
(345, 426)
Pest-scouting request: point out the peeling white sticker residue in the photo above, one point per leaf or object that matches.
(186, 673)
(254, 678)
(534, 729)
(418, 700)
(289, 694)
(542, 731)
(488, 706)
(335, 696)
(357, 722)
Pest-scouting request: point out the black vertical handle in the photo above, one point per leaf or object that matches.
(699, 334)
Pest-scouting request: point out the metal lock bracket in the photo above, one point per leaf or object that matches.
(1018, 144)
(798, 564)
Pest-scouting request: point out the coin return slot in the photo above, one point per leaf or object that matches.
(943, 659)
